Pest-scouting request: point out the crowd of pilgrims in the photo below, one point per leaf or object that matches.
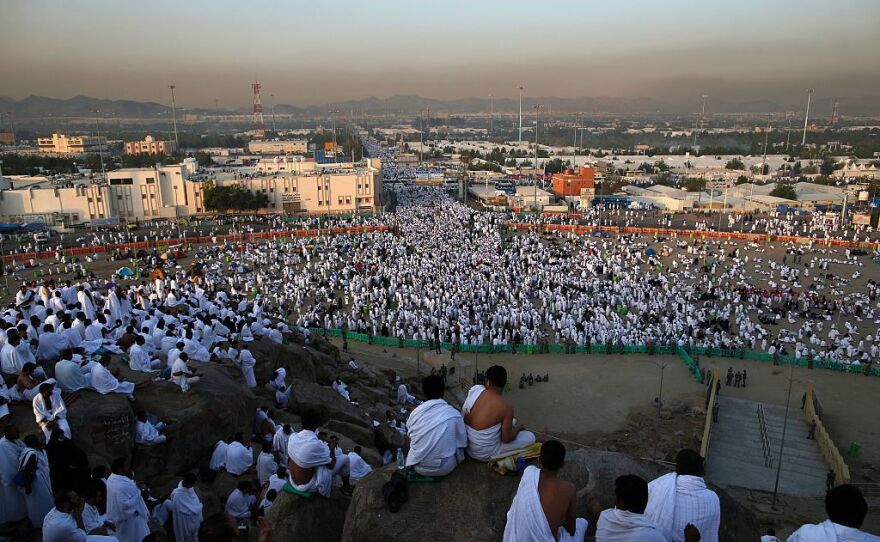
(448, 272)
(815, 224)
(443, 271)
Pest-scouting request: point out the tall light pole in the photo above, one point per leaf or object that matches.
(491, 113)
(788, 133)
(100, 150)
(272, 96)
(333, 120)
(782, 441)
(807, 116)
(520, 115)
(702, 114)
(11, 126)
(174, 118)
(537, 108)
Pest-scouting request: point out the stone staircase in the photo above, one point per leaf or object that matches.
(736, 451)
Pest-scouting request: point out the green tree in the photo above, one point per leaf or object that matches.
(827, 166)
(204, 159)
(735, 163)
(784, 191)
(694, 184)
(554, 166)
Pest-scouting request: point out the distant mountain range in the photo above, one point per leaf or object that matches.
(37, 107)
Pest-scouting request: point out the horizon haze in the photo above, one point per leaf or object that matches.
(307, 54)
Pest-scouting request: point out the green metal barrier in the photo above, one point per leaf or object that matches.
(685, 353)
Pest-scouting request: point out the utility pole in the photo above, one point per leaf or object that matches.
(100, 150)
(807, 116)
(491, 113)
(520, 114)
(11, 126)
(174, 118)
(535, 202)
(788, 133)
(782, 441)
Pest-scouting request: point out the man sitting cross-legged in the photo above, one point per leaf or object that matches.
(543, 507)
(436, 431)
(312, 463)
(491, 428)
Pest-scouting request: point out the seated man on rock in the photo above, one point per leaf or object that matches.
(491, 428)
(437, 433)
(680, 498)
(314, 464)
(846, 508)
(543, 507)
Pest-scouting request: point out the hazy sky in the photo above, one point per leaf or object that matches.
(319, 52)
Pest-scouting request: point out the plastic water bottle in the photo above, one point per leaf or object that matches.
(401, 464)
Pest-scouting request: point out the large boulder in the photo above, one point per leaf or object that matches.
(101, 425)
(327, 403)
(217, 406)
(472, 503)
(295, 518)
(304, 363)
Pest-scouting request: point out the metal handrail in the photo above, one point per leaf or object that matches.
(765, 440)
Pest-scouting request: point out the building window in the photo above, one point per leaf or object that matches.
(119, 182)
(348, 200)
(150, 180)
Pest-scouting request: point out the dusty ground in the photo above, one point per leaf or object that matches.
(606, 401)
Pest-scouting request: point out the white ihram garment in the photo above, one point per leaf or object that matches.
(437, 438)
(484, 444)
(307, 451)
(104, 382)
(186, 511)
(617, 525)
(674, 501)
(126, 509)
(827, 531)
(526, 521)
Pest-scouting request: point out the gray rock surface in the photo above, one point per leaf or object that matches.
(317, 519)
(472, 503)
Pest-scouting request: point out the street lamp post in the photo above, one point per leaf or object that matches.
(782, 442)
(520, 114)
(491, 113)
(174, 118)
(100, 151)
(537, 108)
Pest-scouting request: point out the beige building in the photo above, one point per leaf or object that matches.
(341, 190)
(130, 194)
(149, 146)
(142, 194)
(292, 146)
(62, 144)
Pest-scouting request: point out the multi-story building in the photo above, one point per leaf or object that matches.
(291, 146)
(340, 190)
(130, 194)
(571, 184)
(157, 192)
(150, 146)
(62, 144)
